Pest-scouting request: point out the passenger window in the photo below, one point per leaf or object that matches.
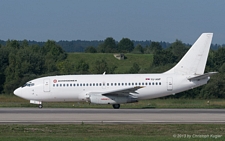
(118, 84)
(129, 84)
(136, 84)
(149, 83)
(96, 84)
(100, 84)
(63, 85)
(57, 85)
(107, 84)
(152, 83)
(93, 84)
(67, 85)
(143, 83)
(87, 84)
(156, 83)
(77, 84)
(111, 84)
(115, 84)
(139, 84)
(60, 85)
(90, 84)
(80, 84)
(133, 84)
(146, 83)
(53, 85)
(159, 83)
(125, 84)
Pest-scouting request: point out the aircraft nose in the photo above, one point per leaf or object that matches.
(18, 92)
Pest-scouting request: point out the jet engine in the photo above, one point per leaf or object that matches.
(112, 99)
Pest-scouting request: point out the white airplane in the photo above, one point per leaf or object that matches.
(116, 89)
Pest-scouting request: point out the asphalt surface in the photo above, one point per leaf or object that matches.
(110, 116)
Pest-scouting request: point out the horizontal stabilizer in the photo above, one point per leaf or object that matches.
(203, 76)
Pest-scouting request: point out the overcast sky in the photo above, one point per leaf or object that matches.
(156, 20)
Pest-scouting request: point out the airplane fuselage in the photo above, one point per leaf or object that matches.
(78, 87)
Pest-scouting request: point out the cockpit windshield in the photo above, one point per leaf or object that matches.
(29, 84)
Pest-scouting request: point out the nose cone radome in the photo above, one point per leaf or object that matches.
(18, 92)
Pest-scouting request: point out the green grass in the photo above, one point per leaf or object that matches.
(143, 60)
(14, 101)
(112, 132)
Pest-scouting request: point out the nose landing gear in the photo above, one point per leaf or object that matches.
(37, 102)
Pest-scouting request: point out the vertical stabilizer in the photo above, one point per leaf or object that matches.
(194, 61)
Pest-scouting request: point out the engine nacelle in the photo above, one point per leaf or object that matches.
(112, 99)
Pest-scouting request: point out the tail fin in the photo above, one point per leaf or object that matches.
(194, 60)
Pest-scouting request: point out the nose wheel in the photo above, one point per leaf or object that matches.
(40, 106)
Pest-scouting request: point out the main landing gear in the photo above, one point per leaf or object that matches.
(40, 106)
(116, 106)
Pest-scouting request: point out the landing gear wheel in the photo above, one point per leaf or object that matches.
(40, 106)
(116, 106)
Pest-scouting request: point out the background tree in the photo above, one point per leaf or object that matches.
(90, 49)
(178, 49)
(138, 50)
(154, 48)
(219, 57)
(134, 69)
(82, 67)
(4, 62)
(163, 57)
(125, 45)
(66, 67)
(101, 66)
(214, 89)
(53, 54)
(108, 46)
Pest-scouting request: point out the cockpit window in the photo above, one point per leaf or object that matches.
(28, 85)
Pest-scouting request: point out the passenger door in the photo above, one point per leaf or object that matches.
(46, 85)
(169, 84)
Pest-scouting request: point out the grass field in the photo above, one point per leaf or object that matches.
(143, 60)
(13, 101)
(113, 132)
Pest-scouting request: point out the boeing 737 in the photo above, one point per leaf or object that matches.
(116, 89)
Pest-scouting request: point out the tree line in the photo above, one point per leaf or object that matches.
(21, 62)
(81, 45)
